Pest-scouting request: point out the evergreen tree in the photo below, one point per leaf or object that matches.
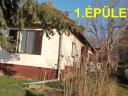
(15, 13)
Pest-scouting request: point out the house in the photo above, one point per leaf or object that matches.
(36, 55)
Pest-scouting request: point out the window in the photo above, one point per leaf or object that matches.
(29, 42)
(74, 50)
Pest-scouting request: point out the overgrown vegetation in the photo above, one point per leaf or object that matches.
(84, 83)
(10, 86)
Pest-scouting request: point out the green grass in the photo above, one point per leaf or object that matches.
(11, 80)
(11, 90)
(10, 86)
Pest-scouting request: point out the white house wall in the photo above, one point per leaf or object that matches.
(49, 53)
(67, 58)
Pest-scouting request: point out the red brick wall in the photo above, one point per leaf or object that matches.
(27, 71)
(33, 72)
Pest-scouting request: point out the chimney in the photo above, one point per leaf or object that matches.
(49, 4)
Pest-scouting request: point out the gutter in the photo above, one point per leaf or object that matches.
(59, 56)
(25, 29)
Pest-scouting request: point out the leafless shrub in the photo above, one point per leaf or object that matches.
(84, 82)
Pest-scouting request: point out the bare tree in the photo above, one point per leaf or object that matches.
(106, 32)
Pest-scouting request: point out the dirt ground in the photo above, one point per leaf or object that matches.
(53, 92)
(48, 91)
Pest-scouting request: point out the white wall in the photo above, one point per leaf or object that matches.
(50, 48)
(67, 58)
(49, 53)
